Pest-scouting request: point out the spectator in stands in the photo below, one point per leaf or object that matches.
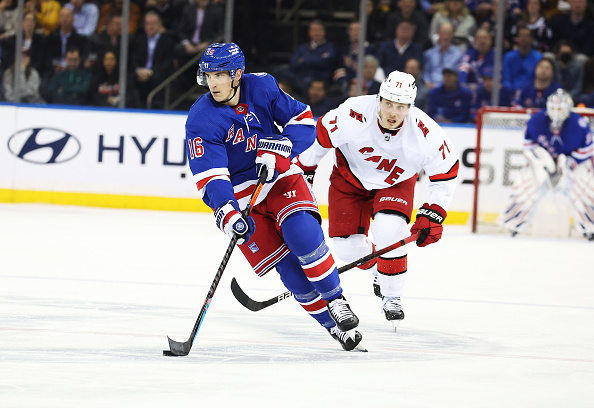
(349, 54)
(475, 58)
(32, 44)
(533, 18)
(450, 102)
(201, 23)
(170, 11)
(47, 13)
(535, 94)
(457, 14)
(483, 94)
(576, 26)
(443, 55)
(58, 41)
(413, 66)
(407, 10)
(318, 99)
(315, 59)
(519, 64)
(86, 16)
(109, 39)
(113, 8)
(29, 82)
(151, 60)
(105, 87)
(488, 21)
(370, 84)
(377, 17)
(72, 86)
(393, 54)
(8, 19)
(569, 73)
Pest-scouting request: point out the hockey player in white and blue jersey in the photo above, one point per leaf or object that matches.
(246, 122)
(558, 147)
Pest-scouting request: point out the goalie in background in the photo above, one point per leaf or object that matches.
(558, 148)
(381, 142)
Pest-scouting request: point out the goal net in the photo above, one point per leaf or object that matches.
(499, 159)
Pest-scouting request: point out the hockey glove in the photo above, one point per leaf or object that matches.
(309, 172)
(274, 152)
(428, 223)
(229, 220)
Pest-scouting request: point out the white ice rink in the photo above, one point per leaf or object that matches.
(88, 297)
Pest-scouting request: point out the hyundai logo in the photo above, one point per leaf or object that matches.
(43, 145)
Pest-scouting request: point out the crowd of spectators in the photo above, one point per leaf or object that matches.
(71, 48)
(71, 51)
(450, 46)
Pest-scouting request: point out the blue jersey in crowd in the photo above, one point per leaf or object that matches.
(530, 97)
(574, 138)
(222, 141)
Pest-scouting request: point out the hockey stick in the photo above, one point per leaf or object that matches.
(254, 305)
(182, 349)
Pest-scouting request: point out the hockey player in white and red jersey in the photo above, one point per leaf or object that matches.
(231, 135)
(558, 147)
(381, 143)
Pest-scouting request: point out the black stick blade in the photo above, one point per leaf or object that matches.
(178, 349)
(251, 304)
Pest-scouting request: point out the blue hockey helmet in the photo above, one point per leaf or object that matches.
(220, 57)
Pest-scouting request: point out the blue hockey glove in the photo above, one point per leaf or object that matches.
(229, 220)
(274, 152)
(428, 223)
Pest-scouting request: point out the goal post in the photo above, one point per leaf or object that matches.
(499, 159)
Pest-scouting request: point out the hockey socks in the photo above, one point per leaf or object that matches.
(305, 239)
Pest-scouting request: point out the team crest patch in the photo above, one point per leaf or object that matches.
(253, 247)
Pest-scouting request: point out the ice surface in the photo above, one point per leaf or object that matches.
(88, 297)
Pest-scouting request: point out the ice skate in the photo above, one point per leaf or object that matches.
(393, 310)
(377, 291)
(345, 340)
(341, 313)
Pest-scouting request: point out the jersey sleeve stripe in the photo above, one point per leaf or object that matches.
(583, 153)
(451, 174)
(304, 118)
(322, 135)
(202, 179)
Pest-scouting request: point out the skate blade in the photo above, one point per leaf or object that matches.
(360, 348)
(395, 324)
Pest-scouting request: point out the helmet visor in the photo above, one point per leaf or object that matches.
(213, 78)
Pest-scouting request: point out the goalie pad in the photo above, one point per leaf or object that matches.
(538, 177)
(527, 191)
(541, 163)
(580, 187)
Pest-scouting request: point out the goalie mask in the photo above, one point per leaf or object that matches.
(559, 106)
(220, 57)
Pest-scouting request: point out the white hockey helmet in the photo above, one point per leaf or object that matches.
(399, 87)
(559, 105)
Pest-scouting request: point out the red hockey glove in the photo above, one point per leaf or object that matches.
(230, 221)
(274, 152)
(309, 172)
(428, 223)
